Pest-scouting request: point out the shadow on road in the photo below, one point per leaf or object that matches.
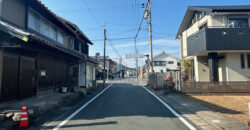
(125, 100)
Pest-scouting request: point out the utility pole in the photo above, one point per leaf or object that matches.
(150, 37)
(104, 58)
(136, 60)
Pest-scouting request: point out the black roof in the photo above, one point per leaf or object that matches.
(209, 9)
(221, 8)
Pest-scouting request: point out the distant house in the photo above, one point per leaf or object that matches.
(164, 62)
(39, 51)
(91, 72)
(215, 43)
(110, 66)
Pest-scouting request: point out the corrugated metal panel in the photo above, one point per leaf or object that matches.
(14, 11)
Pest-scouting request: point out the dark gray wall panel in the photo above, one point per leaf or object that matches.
(218, 39)
(228, 39)
(196, 43)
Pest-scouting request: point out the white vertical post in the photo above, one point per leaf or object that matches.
(249, 110)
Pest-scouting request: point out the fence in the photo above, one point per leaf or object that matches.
(160, 79)
(216, 87)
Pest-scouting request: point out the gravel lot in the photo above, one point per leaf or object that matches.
(232, 106)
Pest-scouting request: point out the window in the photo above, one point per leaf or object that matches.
(76, 46)
(52, 32)
(156, 63)
(238, 22)
(44, 28)
(242, 60)
(162, 63)
(71, 43)
(33, 21)
(178, 64)
(248, 61)
(200, 15)
(39, 24)
(170, 62)
(159, 63)
(80, 47)
(60, 37)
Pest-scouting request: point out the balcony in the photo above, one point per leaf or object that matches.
(218, 39)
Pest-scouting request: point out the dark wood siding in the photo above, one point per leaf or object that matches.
(56, 71)
(27, 77)
(9, 87)
(13, 11)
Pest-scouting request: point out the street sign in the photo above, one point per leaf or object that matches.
(134, 55)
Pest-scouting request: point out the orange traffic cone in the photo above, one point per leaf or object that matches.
(155, 87)
(24, 122)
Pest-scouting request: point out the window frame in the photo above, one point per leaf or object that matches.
(242, 61)
(171, 62)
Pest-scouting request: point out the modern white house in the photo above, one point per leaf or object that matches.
(165, 62)
(215, 41)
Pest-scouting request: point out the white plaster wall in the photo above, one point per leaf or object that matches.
(218, 21)
(89, 74)
(184, 43)
(233, 63)
(201, 69)
(168, 66)
(81, 80)
(222, 69)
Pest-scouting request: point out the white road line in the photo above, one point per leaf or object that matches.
(191, 127)
(77, 111)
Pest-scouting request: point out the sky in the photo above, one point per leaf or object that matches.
(122, 19)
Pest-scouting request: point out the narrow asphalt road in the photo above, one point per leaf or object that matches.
(125, 106)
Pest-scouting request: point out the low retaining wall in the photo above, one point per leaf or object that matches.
(216, 87)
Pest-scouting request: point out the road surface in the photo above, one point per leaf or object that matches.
(124, 106)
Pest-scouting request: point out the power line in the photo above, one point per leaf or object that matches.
(123, 38)
(141, 22)
(122, 32)
(91, 12)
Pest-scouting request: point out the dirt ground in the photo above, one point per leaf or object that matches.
(232, 106)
